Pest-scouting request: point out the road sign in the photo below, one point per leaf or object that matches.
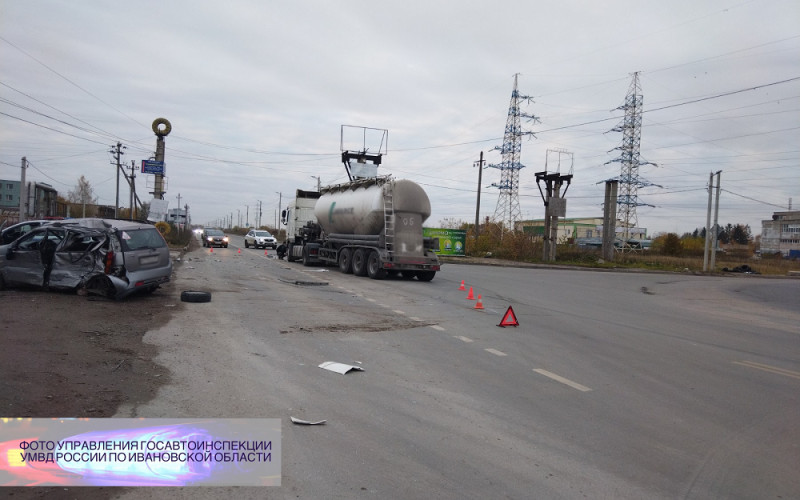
(152, 167)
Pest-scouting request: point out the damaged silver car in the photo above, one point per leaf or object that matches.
(106, 257)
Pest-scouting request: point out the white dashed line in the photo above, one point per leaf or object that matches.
(369, 299)
(414, 318)
(398, 311)
(437, 327)
(561, 379)
(495, 352)
(463, 339)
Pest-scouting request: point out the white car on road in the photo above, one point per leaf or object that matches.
(260, 238)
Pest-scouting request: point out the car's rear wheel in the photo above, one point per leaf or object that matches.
(246, 244)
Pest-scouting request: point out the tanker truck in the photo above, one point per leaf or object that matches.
(367, 227)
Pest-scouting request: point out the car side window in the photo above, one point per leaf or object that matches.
(79, 242)
(30, 241)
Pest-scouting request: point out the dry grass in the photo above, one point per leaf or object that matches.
(767, 265)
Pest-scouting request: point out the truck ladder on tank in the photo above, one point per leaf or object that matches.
(388, 216)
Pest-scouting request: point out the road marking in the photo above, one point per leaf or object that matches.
(495, 352)
(437, 327)
(559, 378)
(414, 318)
(398, 311)
(371, 300)
(463, 339)
(768, 368)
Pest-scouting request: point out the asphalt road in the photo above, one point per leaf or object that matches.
(614, 385)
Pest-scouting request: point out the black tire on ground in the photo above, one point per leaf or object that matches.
(195, 296)
(425, 275)
(360, 262)
(346, 261)
(246, 244)
(226, 245)
(2, 283)
(306, 258)
(374, 268)
(408, 275)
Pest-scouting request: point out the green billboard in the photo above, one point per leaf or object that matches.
(451, 241)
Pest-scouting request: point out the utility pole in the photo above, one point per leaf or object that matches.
(555, 206)
(319, 183)
(709, 238)
(258, 215)
(132, 183)
(178, 215)
(609, 219)
(716, 225)
(158, 189)
(478, 164)
(280, 202)
(117, 155)
(23, 193)
(247, 215)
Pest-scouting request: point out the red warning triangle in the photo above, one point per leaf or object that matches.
(509, 318)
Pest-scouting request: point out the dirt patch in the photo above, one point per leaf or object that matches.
(65, 355)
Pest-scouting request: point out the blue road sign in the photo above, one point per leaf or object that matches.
(152, 167)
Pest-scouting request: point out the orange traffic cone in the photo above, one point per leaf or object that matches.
(240, 251)
(470, 296)
(265, 252)
(479, 304)
(211, 250)
(462, 286)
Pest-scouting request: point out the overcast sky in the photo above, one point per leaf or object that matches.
(257, 91)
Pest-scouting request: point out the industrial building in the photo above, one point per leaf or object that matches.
(577, 229)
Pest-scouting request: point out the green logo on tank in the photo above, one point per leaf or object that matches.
(330, 213)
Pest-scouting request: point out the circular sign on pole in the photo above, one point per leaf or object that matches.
(157, 127)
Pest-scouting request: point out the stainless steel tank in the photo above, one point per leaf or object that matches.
(357, 208)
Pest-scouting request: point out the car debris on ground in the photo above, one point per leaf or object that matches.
(340, 367)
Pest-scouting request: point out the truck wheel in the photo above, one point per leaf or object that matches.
(346, 261)
(289, 253)
(425, 275)
(306, 258)
(374, 268)
(360, 262)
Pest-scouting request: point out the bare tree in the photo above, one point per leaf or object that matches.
(82, 195)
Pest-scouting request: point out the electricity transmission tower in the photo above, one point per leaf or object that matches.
(629, 180)
(508, 211)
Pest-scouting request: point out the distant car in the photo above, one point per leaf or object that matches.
(107, 257)
(214, 238)
(260, 238)
(13, 232)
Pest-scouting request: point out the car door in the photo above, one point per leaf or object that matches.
(78, 256)
(30, 257)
